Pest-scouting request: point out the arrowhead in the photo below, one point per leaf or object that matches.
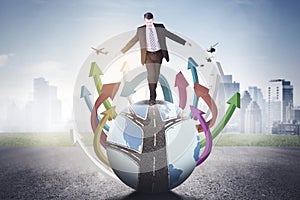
(84, 92)
(110, 89)
(235, 100)
(127, 89)
(95, 70)
(110, 113)
(180, 81)
(192, 63)
(196, 113)
(200, 90)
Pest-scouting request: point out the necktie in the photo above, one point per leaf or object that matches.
(152, 40)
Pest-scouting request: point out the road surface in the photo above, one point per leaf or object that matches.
(229, 173)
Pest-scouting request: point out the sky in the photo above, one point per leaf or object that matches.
(258, 39)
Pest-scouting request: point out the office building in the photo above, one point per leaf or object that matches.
(280, 95)
(45, 108)
(253, 118)
(245, 101)
(230, 88)
(257, 96)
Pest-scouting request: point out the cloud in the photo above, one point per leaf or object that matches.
(49, 67)
(4, 59)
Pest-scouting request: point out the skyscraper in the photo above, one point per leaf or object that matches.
(297, 114)
(257, 96)
(45, 109)
(253, 118)
(290, 113)
(245, 101)
(280, 95)
(230, 88)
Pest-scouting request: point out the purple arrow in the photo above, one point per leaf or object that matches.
(197, 115)
(182, 84)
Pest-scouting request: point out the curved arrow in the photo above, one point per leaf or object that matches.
(165, 88)
(182, 84)
(197, 115)
(192, 66)
(129, 86)
(108, 90)
(85, 93)
(108, 115)
(203, 92)
(233, 102)
(96, 72)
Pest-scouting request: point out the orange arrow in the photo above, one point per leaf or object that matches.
(108, 90)
(203, 92)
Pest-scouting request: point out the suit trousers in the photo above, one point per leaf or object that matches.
(153, 64)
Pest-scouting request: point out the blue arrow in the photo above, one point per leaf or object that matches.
(85, 93)
(129, 86)
(165, 88)
(192, 66)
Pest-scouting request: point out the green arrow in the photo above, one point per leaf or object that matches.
(233, 102)
(96, 72)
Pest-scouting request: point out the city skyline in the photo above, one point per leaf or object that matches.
(44, 93)
(41, 113)
(257, 39)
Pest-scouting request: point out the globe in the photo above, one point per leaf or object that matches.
(153, 149)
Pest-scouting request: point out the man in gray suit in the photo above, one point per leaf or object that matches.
(152, 38)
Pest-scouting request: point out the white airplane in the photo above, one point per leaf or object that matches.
(100, 51)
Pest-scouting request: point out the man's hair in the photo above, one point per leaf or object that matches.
(148, 15)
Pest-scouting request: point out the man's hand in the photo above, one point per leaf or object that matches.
(187, 44)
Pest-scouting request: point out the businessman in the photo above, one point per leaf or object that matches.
(152, 39)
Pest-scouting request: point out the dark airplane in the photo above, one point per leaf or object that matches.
(212, 49)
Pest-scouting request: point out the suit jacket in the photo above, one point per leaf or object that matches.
(162, 33)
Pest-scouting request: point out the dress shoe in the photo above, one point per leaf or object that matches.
(152, 102)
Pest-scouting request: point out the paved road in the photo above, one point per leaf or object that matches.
(229, 173)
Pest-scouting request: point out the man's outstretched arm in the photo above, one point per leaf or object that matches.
(130, 44)
(176, 38)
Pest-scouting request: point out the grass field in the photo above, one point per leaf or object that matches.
(35, 139)
(64, 139)
(257, 140)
